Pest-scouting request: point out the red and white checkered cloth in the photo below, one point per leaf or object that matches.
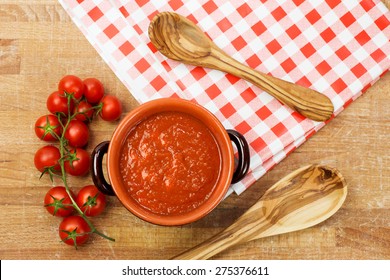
(338, 48)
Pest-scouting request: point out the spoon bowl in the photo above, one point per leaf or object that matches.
(193, 43)
(302, 199)
(180, 39)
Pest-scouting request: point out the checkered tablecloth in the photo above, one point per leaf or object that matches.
(338, 48)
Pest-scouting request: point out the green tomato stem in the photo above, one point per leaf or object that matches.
(63, 152)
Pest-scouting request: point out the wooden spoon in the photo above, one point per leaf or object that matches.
(180, 39)
(302, 199)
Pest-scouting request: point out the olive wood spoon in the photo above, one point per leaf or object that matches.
(180, 39)
(302, 199)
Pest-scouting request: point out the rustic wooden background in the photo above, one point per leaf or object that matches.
(39, 44)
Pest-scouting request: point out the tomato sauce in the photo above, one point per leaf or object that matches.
(170, 163)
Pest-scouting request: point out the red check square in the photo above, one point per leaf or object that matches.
(323, 68)
(224, 24)
(358, 70)
(313, 16)
(243, 127)
(228, 110)
(304, 81)
(142, 65)
(308, 50)
(213, 91)
(175, 4)
(152, 47)
(244, 10)
(166, 66)
(273, 46)
(141, 2)
(258, 144)
(152, 15)
(253, 61)
(232, 79)
(343, 53)
(138, 29)
(328, 35)
(248, 95)
(367, 5)
(288, 65)
(333, 3)
(158, 83)
(239, 43)
(278, 13)
(126, 48)
(124, 12)
(382, 22)
(181, 85)
(210, 6)
(263, 113)
(298, 2)
(95, 13)
(378, 55)
(293, 31)
(198, 73)
(111, 31)
(279, 129)
(362, 37)
(192, 18)
(259, 28)
(339, 85)
(348, 19)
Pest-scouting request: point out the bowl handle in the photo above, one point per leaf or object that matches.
(243, 155)
(97, 168)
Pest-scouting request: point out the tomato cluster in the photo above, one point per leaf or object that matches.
(71, 108)
(74, 230)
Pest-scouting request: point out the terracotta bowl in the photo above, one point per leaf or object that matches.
(232, 170)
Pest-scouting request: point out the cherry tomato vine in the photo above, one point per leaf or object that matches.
(70, 110)
(64, 154)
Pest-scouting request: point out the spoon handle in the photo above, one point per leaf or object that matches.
(249, 226)
(306, 101)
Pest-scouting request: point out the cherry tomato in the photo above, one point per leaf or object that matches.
(48, 128)
(78, 162)
(91, 201)
(58, 203)
(93, 91)
(58, 103)
(74, 230)
(46, 158)
(77, 134)
(73, 85)
(84, 110)
(111, 109)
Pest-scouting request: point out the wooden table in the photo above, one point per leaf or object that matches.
(39, 44)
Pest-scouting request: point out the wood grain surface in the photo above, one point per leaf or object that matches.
(39, 44)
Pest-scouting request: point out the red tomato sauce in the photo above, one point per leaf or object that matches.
(170, 163)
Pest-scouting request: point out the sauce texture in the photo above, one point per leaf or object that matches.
(170, 163)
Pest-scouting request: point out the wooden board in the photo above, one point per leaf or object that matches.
(39, 44)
